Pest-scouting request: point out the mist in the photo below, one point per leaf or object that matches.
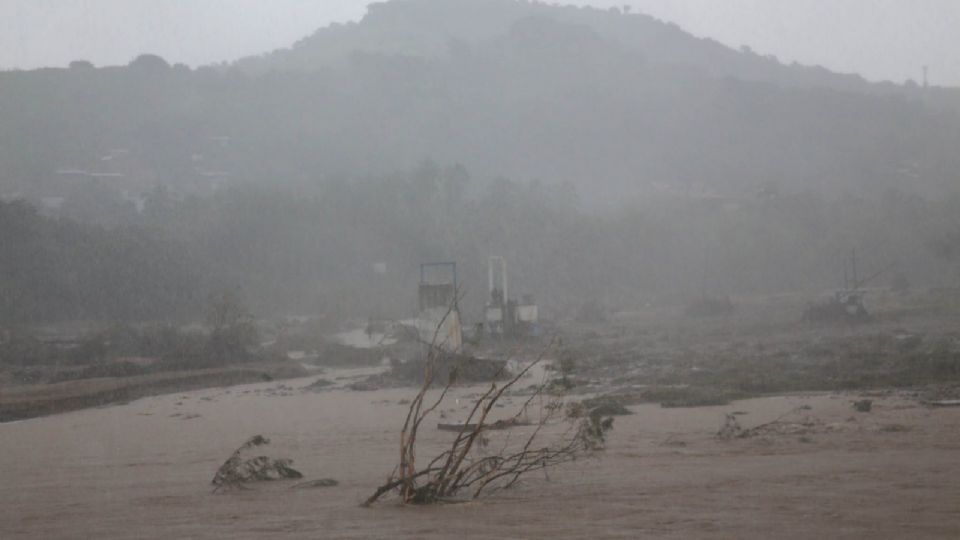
(694, 236)
(881, 40)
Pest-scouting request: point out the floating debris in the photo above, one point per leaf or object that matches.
(236, 471)
(313, 484)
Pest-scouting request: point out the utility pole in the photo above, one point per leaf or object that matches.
(853, 265)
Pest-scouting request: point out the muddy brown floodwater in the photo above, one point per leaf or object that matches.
(143, 470)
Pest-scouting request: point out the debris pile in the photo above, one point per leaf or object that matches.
(840, 308)
(237, 471)
(599, 406)
(805, 425)
(863, 405)
(449, 368)
(313, 484)
(318, 385)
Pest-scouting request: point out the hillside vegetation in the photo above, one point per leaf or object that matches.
(608, 155)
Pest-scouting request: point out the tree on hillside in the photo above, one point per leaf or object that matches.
(150, 62)
(233, 331)
(81, 64)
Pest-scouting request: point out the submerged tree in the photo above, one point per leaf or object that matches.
(466, 466)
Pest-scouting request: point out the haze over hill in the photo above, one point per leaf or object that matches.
(517, 235)
(610, 102)
(881, 39)
(471, 127)
(426, 28)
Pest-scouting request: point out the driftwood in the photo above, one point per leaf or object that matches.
(237, 471)
(320, 483)
(499, 424)
(943, 403)
(731, 428)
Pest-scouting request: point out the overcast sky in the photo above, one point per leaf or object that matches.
(881, 39)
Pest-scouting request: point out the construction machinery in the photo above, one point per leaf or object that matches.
(847, 303)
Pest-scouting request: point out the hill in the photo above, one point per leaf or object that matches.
(438, 29)
(617, 105)
(606, 155)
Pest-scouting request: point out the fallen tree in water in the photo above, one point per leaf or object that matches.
(465, 466)
(237, 471)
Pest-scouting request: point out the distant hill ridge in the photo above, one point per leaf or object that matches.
(618, 105)
(434, 28)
